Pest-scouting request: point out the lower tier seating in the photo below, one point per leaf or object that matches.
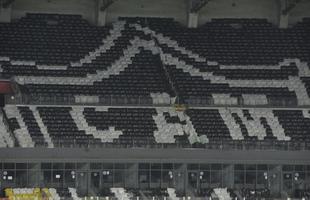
(52, 126)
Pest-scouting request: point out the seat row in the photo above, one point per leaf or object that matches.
(84, 126)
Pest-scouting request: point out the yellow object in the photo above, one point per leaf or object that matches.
(179, 107)
(37, 194)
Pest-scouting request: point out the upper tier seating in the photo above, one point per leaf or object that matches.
(237, 41)
(234, 72)
(114, 69)
(49, 39)
(93, 126)
(155, 60)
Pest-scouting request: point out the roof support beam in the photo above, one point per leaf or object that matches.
(106, 4)
(101, 11)
(197, 5)
(194, 6)
(286, 7)
(290, 5)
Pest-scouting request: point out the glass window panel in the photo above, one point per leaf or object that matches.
(155, 166)
(216, 167)
(216, 177)
(70, 166)
(95, 180)
(239, 177)
(287, 176)
(33, 178)
(58, 166)
(192, 166)
(250, 167)
(70, 176)
(167, 166)
(107, 166)
(308, 181)
(21, 165)
(300, 176)
(58, 178)
(177, 165)
(167, 178)
(21, 178)
(239, 167)
(288, 167)
(107, 178)
(299, 168)
(204, 177)
(192, 179)
(8, 165)
(144, 178)
(262, 177)
(33, 166)
(155, 178)
(119, 166)
(95, 165)
(47, 178)
(250, 177)
(81, 165)
(119, 178)
(262, 167)
(46, 165)
(204, 166)
(144, 165)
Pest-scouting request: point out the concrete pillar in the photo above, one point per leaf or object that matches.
(180, 177)
(228, 176)
(132, 176)
(192, 20)
(283, 21)
(100, 15)
(275, 179)
(5, 14)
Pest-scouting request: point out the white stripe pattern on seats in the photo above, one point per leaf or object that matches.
(22, 135)
(42, 126)
(80, 121)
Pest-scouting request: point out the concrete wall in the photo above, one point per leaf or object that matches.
(149, 8)
(85, 8)
(243, 9)
(300, 11)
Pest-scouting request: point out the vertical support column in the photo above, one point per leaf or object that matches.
(283, 21)
(5, 14)
(228, 176)
(283, 18)
(132, 176)
(100, 15)
(192, 20)
(180, 177)
(275, 179)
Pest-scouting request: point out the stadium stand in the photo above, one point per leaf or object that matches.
(242, 81)
(115, 67)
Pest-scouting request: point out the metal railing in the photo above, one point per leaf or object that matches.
(219, 145)
(134, 100)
